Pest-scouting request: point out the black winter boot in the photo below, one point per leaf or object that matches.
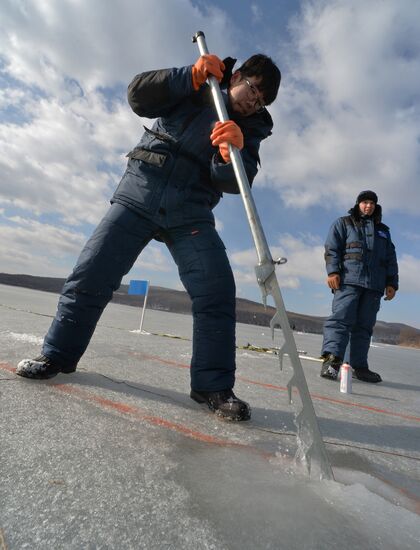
(330, 366)
(224, 404)
(367, 375)
(41, 368)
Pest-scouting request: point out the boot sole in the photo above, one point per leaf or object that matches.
(368, 381)
(23, 374)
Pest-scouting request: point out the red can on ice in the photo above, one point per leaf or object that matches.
(345, 378)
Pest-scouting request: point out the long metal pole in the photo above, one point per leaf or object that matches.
(311, 446)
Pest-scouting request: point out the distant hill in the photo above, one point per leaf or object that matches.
(247, 311)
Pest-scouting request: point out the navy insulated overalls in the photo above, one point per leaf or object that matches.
(174, 178)
(360, 250)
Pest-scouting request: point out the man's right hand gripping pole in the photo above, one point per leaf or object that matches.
(225, 133)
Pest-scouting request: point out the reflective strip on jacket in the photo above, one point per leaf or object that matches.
(362, 253)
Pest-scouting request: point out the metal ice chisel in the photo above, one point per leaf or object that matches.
(310, 443)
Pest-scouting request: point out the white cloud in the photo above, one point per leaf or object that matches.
(411, 235)
(257, 13)
(409, 269)
(50, 164)
(29, 246)
(305, 261)
(347, 117)
(154, 259)
(66, 124)
(219, 224)
(100, 43)
(63, 53)
(39, 248)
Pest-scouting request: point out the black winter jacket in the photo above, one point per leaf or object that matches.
(174, 174)
(361, 251)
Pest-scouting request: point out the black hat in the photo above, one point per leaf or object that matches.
(367, 196)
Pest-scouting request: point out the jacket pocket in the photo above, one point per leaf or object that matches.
(211, 252)
(150, 157)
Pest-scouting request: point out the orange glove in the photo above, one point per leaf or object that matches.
(224, 133)
(389, 292)
(333, 281)
(206, 65)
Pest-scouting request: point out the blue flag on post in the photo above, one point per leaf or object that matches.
(138, 287)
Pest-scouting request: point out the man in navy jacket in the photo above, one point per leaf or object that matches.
(175, 176)
(361, 265)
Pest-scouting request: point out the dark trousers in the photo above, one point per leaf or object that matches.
(354, 311)
(109, 254)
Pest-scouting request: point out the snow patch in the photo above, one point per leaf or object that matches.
(376, 504)
(30, 338)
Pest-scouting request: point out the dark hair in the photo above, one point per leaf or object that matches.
(263, 66)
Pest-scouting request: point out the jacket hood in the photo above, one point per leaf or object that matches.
(260, 123)
(356, 215)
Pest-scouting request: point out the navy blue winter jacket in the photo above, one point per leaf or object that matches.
(361, 251)
(174, 174)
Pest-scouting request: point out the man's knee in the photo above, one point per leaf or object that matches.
(218, 306)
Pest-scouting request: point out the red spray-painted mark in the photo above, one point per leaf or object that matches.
(283, 388)
(337, 401)
(6, 366)
(140, 414)
(274, 387)
(136, 412)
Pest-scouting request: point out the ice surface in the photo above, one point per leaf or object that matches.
(118, 456)
(285, 510)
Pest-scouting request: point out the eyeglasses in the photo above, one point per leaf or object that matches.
(259, 103)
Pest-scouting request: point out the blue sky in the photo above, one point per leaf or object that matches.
(346, 119)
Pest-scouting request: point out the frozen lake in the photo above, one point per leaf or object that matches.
(118, 456)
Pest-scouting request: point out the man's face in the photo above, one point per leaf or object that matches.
(245, 97)
(367, 207)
